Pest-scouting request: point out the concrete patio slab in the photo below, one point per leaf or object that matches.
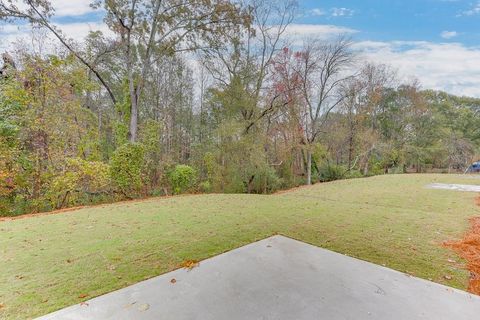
(280, 279)
(455, 187)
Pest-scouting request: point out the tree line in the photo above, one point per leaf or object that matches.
(207, 96)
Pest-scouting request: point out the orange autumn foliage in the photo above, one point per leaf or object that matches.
(469, 249)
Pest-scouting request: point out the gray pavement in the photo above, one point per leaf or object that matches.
(280, 279)
(455, 187)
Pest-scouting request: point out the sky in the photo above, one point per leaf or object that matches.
(415, 20)
(434, 41)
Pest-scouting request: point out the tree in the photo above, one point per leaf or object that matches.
(38, 13)
(143, 27)
(164, 27)
(322, 68)
(44, 123)
(247, 61)
(365, 94)
(259, 114)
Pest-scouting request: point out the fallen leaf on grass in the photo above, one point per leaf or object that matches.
(82, 296)
(190, 264)
(2, 306)
(447, 277)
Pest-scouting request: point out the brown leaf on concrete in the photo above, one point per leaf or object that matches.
(190, 264)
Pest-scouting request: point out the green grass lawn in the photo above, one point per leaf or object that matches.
(52, 261)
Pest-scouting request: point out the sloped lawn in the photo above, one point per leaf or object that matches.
(52, 261)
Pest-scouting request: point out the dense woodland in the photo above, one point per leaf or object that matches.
(207, 96)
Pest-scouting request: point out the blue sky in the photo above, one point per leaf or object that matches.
(434, 41)
(414, 20)
(377, 20)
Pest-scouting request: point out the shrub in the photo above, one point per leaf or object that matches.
(150, 137)
(229, 180)
(205, 187)
(126, 169)
(182, 178)
(287, 172)
(210, 165)
(377, 167)
(353, 174)
(401, 170)
(79, 180)
(331, 172)
(266, 180)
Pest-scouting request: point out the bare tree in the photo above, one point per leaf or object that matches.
(250, 56)
(364, 95)
(323, 68)
(162, 28)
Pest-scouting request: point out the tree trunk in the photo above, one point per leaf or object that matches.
(365, 169)
(367, 160)
(309, 167)
(132, 132)
(133, 121)
(351, 149)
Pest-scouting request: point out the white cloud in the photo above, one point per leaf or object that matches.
(319, 31)
(64, 8)
(78, 31)
(317, 12)
(342, 12)
(474, 10)
(332, 12)
(11, 34)
(449, 34)
(71, 7)
(451, 67)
